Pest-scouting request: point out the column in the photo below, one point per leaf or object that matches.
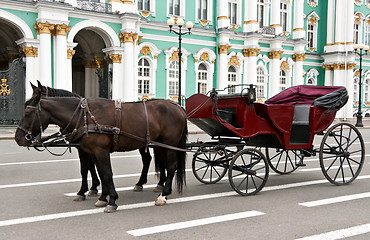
(328, 75)
(60, 64)
(44, 31)
(128, 93)
(348, 108)
(274, 72)
(250, 72)
(222, 66)
(298, 30)
(340, 21)
(339, 81)
(117, 83)
(330, 24)
(30, 53)
(68, 80)
(250, 17)
(275, 17)
(349, 23)
(222, 17)
(298, 69)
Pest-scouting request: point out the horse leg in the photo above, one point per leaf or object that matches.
(106, 176)
(95, 180)
(171, 164)
(145, 158)
(84, 158)
(162, 170)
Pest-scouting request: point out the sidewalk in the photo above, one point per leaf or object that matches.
(7, 133)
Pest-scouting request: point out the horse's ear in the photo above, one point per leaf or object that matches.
(39, 84)
(33, 86)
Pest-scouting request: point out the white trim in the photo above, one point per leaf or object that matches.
(182, 9)
(312, 74)
(18, 23)
(209, 64)
(315, 26)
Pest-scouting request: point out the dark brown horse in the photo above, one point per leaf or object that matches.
(86, 163)
(158, 120)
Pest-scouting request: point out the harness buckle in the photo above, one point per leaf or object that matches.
(116, 130)
(28, 136)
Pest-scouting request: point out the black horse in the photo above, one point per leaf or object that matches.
(92, 124)
(86, 163)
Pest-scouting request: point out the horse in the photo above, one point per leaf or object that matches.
(92, 123)
(86, 163)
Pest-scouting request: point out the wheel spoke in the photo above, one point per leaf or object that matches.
(353, 160)
(204, 174)
(254, 183)
(336, 157)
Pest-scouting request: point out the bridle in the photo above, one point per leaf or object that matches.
(29, 136)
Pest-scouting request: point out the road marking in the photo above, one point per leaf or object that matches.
(59, 160)
(193, 223)
(340, 234)
(151, 204)
(335, 200)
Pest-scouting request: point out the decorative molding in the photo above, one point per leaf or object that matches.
(145, 13)
(275, 25)
(115, 58)
(127, 37)
(128, 2)
(234, 61)
(299, 57)
(204, 57)
(139, 39)
(44, 27)
(298, 29)
(223, 48)
(175, 57)
(70, 53)
(145, 50)
(30, 51)
(222, 17)
(250, 22)
(285, 66)
(275, 54)
(61, 29)
(251, 52)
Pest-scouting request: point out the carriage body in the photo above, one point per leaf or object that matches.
(284, 126)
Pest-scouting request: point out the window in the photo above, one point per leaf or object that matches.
(312, 23)
(143, 5)
(143, 76)
(356, 33)
(173, 83)
(260, 12)
(231, 77)
(310, 36)
(367, 32)
(283, 81)
(284, 16)
(233, 12)
(366, 90)
(174, 7)
(260, 83)
(202, 9)
(202, 78)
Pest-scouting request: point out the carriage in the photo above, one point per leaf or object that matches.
(248, 136)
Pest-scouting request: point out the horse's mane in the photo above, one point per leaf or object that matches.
(54, 92)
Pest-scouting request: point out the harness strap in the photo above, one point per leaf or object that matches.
(147, 140)
(117, 130)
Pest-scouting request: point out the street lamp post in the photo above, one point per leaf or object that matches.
(361, 50)
(189, 26)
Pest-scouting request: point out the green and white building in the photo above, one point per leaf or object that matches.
(273, 44)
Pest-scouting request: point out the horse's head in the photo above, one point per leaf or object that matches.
(32, 123)
(38, 92)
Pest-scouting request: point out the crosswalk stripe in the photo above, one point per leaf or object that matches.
(340, 234)
(335, 200)
(193, 223)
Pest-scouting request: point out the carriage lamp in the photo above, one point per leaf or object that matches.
(189, 26)
(360, 50)
(251, 94)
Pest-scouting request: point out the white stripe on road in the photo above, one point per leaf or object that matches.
(335, 200)
(59, 160)
(193, 223)
(340, 234)
(151, 204)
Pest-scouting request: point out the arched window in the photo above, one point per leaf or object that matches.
(310, 81)
(173, 83)
(260, 83)
(283, 81)
(143, 77)
(231, 78)
(202, 78)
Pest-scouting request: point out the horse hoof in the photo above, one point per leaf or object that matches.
(79, 198)
(100, 203)
(161, 200)
(158, 188)
(110, 209)
(92, 193)
(138, 188)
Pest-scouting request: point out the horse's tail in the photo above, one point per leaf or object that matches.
(181, 158)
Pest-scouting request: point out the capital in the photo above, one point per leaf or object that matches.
(127, 37)
(115, 58)
(61, 29)
(44, 27)
(275, 54)
(30, 51)
(223, 48)
(299, 57)
(251, 52)
(70, 53)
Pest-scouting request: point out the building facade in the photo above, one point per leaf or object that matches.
(122, 49)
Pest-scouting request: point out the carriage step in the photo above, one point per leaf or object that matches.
(300, 164)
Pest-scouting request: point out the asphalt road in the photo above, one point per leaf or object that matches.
(36, 203)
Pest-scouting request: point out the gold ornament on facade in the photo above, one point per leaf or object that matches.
(351, 66)
(285, 66)
(204, 57)
(250, 22)
(251, 52)
(203, 22)
(155, 56)
(115, 58)
(234, 27)
(222, 17)
(70, 53)
(299, 57)
(312, 20)
(97, 61)
(358, 19)
(30, 51)
(175, 57)
(4, 88)
(61, 29)
(357, 73)
(139, 39)
(127, 37)
(313, 4)
(127, 2)
(145, 13)
(44, 27)
(224, 48)
(233, 61)
(145, 97)
(275, 54)
(145, 50)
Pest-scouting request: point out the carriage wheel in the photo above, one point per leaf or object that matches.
(342, 154)
(248, 172)
(283, 161)
(208, 163)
